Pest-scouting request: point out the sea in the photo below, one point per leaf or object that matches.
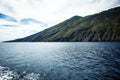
(60, 61)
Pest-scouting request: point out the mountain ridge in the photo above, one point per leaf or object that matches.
(103, 26)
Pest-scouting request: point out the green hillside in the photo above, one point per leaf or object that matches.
(104, 26)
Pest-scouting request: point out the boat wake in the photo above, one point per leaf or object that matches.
(8, 74)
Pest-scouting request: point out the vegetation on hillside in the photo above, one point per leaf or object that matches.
(104, 26)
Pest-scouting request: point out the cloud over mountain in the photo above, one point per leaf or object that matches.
(54, 11)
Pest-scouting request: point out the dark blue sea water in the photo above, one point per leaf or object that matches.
(60, 61)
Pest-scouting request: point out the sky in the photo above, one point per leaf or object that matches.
(50, 12)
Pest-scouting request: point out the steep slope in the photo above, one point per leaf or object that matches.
(104, 26)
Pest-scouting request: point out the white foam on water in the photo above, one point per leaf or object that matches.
(32, 76)
(7, 74)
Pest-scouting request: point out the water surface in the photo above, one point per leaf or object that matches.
(60, 61)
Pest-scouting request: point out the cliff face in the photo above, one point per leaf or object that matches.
(104, 26)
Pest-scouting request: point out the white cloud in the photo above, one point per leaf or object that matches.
(11, 30)
(8, 33)
(53, 11)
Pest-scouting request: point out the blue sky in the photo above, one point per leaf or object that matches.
(50, 12)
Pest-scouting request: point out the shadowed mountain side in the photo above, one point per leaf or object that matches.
(104, 26)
